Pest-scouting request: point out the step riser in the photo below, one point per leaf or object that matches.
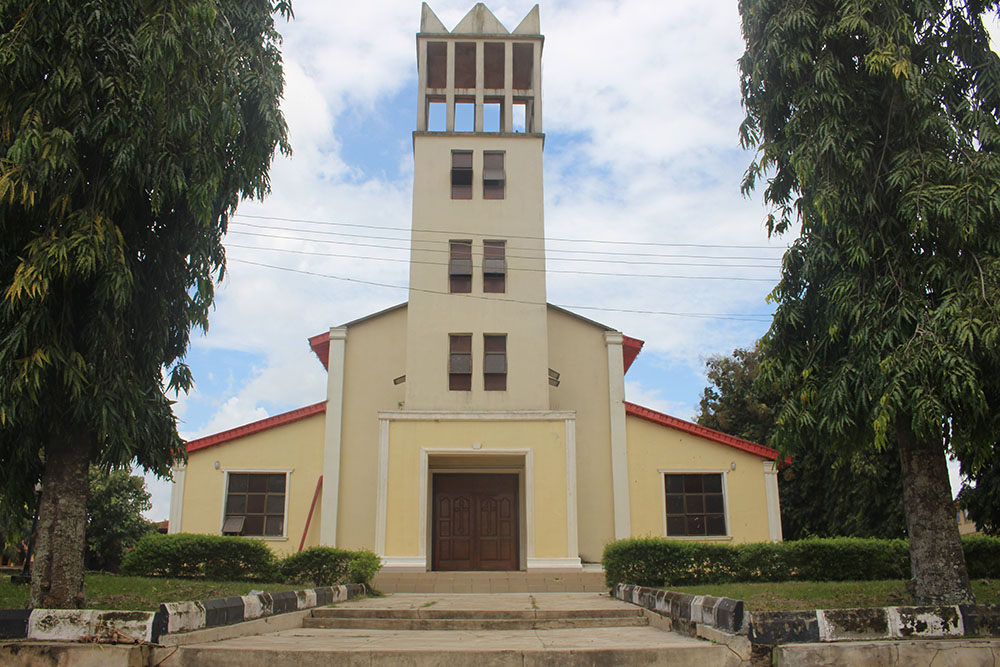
(430, 612)
(674, 657)
(470, 624)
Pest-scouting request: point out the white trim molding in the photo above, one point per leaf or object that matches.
(332, 436)
(572, 523)
(773, 502)
(417, 563)
(619, 451)
(176, 499)
(554, 564)
(382, 493)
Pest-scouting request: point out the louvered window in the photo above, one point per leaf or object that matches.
(494, 176)
(460, 267)
(494, 267)
(495, 362)
(460, 362)
(461, 174)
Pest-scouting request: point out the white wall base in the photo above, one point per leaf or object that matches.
(415, 563)
(554, 564)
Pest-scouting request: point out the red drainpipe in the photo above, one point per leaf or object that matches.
(319, 485)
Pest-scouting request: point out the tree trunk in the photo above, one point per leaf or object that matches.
(57, 573)
(936, 558)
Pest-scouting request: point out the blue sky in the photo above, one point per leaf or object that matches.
(641, 110)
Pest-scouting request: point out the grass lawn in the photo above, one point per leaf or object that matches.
(109, 591)
(793, 595)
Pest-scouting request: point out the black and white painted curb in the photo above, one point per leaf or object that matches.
(820, 625)
(686, 611)
(172, 617)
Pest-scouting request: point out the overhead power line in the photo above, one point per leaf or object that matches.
(740, 317)
(524, 268)
(661, 244)
(444, 243)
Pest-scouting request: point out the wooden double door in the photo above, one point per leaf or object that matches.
(475, 522)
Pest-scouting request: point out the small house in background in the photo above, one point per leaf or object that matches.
(476, 426)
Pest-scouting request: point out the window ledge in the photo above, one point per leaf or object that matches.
(260, 537)
(700, 538)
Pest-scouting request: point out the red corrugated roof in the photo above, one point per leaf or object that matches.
(256, 427)
(701, 431)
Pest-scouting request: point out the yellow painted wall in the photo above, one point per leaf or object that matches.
(519, 312)
(374, 355)
(546, 439)
(652, 447)
(298, 445)
(578, 352)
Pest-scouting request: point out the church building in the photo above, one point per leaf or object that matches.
(476, 426)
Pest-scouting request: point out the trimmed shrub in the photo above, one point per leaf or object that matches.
(653, 561)
(211, 556)
(327, 566)
(982, 555)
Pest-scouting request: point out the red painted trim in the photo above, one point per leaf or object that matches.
(256, 427)
(630, 350)
(319, 485)
(320, 344)
(701, 431)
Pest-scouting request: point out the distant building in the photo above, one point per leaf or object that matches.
(476, 426)
(966, 526)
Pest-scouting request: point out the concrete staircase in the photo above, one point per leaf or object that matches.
(472, 619)
(590, 580)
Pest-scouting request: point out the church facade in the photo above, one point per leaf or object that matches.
(476, 426)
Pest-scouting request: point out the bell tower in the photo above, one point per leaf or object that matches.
(476, 321)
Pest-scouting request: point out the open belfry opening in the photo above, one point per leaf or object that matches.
(479, 77)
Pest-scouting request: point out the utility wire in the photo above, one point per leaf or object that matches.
(525, 268)
(447, 242)
(513, 236)
(558, 259)
(754, 317)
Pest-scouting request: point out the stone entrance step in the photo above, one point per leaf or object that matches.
(589, 580)
(473, 619)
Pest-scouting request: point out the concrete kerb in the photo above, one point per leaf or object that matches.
(707, 617)
(173, 619)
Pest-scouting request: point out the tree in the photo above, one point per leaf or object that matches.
(876, 125)
(129, 132)
(980, 495)
(821, 494)
(114, 516)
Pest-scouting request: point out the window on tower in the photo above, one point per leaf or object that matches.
(494, 177)
(460, 362)
(494, 267)
(495, 362)
(460, 267)
(461, 174)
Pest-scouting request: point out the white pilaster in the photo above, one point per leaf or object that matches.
(450, 86)
(572, 527)
(619, 452)
(332, 440)
(382, 499)
(773, 504)
(177, 500)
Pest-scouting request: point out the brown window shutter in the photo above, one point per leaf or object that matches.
(461, 174)
(494, 362)
(494, 267)
(460, 362)
(460, 267)
(494, 176)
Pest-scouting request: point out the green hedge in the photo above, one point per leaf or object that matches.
(326, 566)
(212, 556)
(651, 561)
(241, 558)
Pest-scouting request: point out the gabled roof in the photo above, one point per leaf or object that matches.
(700, 431)
(256, 427)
